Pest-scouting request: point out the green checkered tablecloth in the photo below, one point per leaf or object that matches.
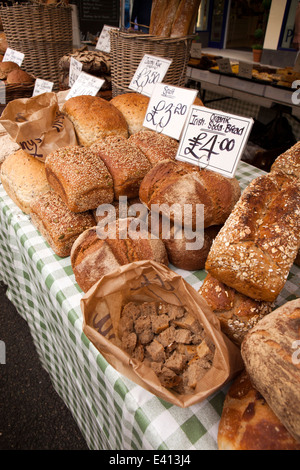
(111, 411)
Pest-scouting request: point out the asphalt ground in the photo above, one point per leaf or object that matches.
(32, 415)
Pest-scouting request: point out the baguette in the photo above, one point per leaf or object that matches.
(184, 17)
(166, 18)
(256, 247)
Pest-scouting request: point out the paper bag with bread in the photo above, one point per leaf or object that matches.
(37, 125)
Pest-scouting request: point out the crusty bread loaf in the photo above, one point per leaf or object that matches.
(256, 247)
(184, 18)
(19, 76)
(6, 67)
(271, 355)
(133, 106)
(57, 224)
(248, 423)
(125, 162)
(23, 178)
(157, 147)
(80, 177)
(165, 15)
(174, 182)
(94, 118)
(289, 162)
(237, 312)
(93, 257)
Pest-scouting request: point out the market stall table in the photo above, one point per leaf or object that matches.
(111, 411)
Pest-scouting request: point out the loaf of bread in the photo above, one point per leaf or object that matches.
(173, 182)
(237, 312)
(271, 355)
(185, 18)
(57, 224)
(92, 257)
(164, 13)
(157, 147)
(94, 118)
(125, 162)
(256, 247)
(289, 162)
(24, 178)
(7, 67)
(80, 177)
(133, 106)
(19, 76)
(248, 423)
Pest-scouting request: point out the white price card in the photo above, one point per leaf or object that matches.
(196, 50)
(103, 43)
(224, 65)
(85, 84)
(245, 70)
(214, 140)
(168, 109)
(13, 56)
(74, 71)
(150, 71)
(42, 86)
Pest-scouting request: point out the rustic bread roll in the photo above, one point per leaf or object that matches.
(6, 68)
(19, 76)
(256, 247)
(125, 162)
(156, 147)
(93, 257)
(23, 178)
(133, 106)
(57, 224)
(94, 118)
(289, 162)
(173, 182)
(185, 18)
(271, 355)
(248, 423)
(80, 177)
(237, 312)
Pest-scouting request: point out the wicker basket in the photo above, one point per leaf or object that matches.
(128, 49)
(43, 33)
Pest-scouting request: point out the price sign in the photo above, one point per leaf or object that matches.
(103, 43)
(245, 70)
(85, 85)
(74, 71)
(42, 86)
(214, 140)
(151, 71)
(13, 56)
(168, 109)
(224, 65)
(196, 50)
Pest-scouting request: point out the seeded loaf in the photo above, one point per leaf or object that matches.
(174, 182)
(271, 355)
(133, 106)
(289, 162)
(237, 312)
(248, 423)
(80, 177)
(256, 247)
(24, 178)
(157, 147)
(94, 118)
(57, 224)
(125, 162)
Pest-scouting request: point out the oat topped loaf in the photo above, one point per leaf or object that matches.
(157, 147)
(289, 162)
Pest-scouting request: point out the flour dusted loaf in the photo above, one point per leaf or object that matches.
(94, 118)
(80, 177)
(157, 147)
(133, 106)
(174, 182)
(24, 178)
(125, 162)
(271, 355)
(256, 247)
(248, 423)
(93, 256)
(57, 224)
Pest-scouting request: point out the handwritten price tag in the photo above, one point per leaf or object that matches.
(168, 109)
(13, 56)
(74, 71)
(85, 85)
(214, 140)
(42, 86)
(103, 43)
(245, 70)
(151, 71)
(224, 65)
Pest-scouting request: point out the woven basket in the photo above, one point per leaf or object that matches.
(43, 33)
(128, 49)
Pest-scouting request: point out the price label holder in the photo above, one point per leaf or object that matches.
(103, 43)
(214, 140)
(196, 50)
(245, 70)
(85, 84)
(13, 56)
(168, 109)
(74, 71)
(224, 65)
(150, 71)
(42, 86)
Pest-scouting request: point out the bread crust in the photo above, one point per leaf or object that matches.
(133, 106)
(157, 147)
(184, 18)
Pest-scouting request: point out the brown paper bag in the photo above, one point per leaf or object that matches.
(148, 281)
(37, 125)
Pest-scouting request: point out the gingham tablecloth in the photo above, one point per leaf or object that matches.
(111, 411)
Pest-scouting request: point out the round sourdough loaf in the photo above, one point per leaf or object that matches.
(133, 106)
(94, 118)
